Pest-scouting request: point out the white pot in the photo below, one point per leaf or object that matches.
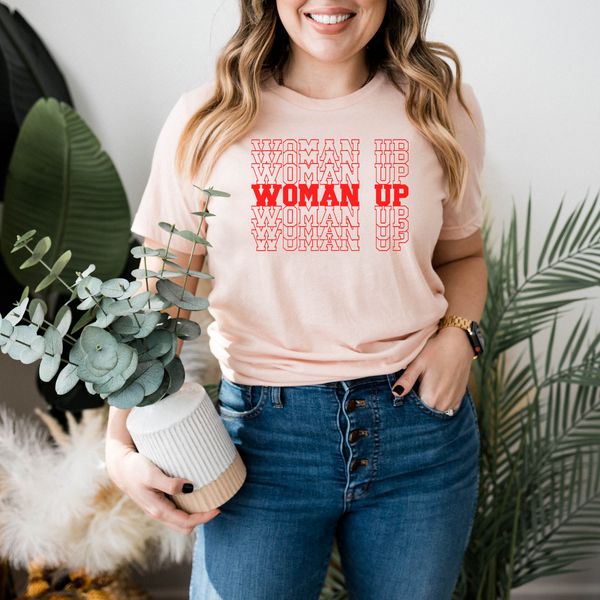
(183, 435)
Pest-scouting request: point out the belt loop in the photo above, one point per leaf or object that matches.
(276, 397)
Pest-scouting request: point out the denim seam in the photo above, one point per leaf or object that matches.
(251, 414)
(375, 466)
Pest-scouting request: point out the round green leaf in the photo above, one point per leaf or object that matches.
(77, 354)
(157, 302)
(176, 373)
(168, 227)
(27, 345)
(143, 274)
(180, 297)
(24, 294)
(93, 285)
(48, 280)
(37, 311)
(85, 373)
(22, 240)
(193, 237)
(38, 253)
(126, 325)
(127, 397)
(149, 375)
(159, 342)
(166, 358)
(198, 274)
(103, 317)
(130, 305)
(134, 286)
(6, 330)
(86, 273)
(149, 322)
(184, 329)
(16, 314)
(203, 213)
(51, 359)
(114, 288)
(67, 380)
(94, 339)
(61, 263)
(63, 319)
(159, 394)
(143, 252)
(211, 192)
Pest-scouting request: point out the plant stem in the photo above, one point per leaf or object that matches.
(167, 250)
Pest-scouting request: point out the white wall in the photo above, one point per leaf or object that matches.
(533, 65)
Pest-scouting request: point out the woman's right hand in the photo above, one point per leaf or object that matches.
(146, 484)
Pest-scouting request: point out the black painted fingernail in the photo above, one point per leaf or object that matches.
(188, 488)
(399, 390)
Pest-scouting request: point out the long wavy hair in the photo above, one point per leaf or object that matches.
(260, 45)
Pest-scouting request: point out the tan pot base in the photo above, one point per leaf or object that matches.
(217, 492)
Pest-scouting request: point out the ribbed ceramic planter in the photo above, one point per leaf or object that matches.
(183, 435)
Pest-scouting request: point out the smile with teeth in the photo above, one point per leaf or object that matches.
(329, 19)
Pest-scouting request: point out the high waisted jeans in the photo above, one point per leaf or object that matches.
(392, 479)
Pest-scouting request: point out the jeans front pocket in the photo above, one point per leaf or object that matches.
(433, 412)
(239, 400)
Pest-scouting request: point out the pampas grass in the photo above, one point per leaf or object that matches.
(58, 503)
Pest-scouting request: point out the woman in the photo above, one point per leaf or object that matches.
(352, 233)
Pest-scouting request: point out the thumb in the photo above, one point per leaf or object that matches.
(406, 381)
(171, 485)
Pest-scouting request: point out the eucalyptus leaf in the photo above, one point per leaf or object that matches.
(165, 359)
(143, 252)
(125, 367)
(24, 294)
(66, 380)
(27, 345)
(23, 240)
(193, 237)
(39, 251)
(89, 286)
(52, 356)
(159, 394)
(133, 288)
(198, 274)
(162, 252)
(128, 397)
(103, 317)
(90, 375)
(48, 280)
(168, 227)
(33, 306)
(180, 297)
(63, 319)
(94, 339)
(77, 354)
(149, 375)
(149, 322)
(38, 315)
(86, 273)
(143, 274)
(6, 330)
(89, 387)
(157, 302)
(176, 373)
(114, 288)
(184, 329)
(16, 314)
(211, 192)
(61, 263)
(203, 213)
(159, 342)
(127, 325)
(130, 305)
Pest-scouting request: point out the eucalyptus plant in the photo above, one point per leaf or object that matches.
(126, 350)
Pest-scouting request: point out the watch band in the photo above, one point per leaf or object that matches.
(465, 324)
(455, 322)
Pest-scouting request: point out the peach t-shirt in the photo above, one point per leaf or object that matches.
(321, 256)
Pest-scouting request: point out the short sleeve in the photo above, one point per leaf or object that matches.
(460, 224)
(165, 197)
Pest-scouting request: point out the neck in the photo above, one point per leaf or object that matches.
(317, 79)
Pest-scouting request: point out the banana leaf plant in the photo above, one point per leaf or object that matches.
(538, 407)
(27, 73)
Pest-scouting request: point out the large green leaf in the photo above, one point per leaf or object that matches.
(63, 185)
(27, 73)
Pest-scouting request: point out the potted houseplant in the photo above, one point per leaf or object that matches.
(127, 354)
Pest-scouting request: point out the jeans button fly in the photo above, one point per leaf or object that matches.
(354, 435)
(359, 462)
(351, 406)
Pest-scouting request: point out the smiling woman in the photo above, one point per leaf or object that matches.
(352, 156)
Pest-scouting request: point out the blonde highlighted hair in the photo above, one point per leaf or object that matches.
(260, 45)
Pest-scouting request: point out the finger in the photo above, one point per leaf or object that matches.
(408, 379)
(169, 485)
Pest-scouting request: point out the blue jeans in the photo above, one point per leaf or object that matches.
(392, 479)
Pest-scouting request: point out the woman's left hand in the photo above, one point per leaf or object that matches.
(442, 369)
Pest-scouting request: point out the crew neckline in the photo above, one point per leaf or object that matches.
(325, 103)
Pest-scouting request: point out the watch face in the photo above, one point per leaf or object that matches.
(477, 339)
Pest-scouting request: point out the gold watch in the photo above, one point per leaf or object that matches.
(472, 329)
